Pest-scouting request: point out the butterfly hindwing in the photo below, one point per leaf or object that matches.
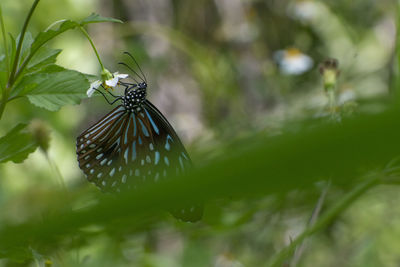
(176, 159)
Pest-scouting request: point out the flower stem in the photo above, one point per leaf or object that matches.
(92, 44)
(19, 47)
(332, 101)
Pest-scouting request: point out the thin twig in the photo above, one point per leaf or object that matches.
(315, 214)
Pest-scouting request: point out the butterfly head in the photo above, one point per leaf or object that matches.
(142, 85)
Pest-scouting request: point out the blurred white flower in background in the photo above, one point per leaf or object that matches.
(292, 61)
(303, 9)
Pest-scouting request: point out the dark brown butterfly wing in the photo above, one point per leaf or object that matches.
(127, 149)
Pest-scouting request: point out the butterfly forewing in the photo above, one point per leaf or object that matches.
(98, 149)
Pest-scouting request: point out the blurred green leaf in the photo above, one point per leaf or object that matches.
(95, 18)
(16, 145)
(53, 88)
(3, 72)
(268, 166)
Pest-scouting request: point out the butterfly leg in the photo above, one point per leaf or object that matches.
(108, 101)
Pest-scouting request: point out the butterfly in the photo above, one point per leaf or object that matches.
(132, 145)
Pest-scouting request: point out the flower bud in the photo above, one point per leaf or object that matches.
(41, 133)
(330, 72)
(106, 75)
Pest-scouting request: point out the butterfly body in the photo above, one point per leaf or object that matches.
(134, 97)
(133, 145)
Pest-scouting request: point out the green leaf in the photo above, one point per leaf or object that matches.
(16, 145)
(26, 44)
(44, 37)
(13, 49)
(53, 88)
(3, 73)
(96, 18)
(43, 58)
(267, 166)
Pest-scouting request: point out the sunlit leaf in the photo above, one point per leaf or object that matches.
(16, 145)
(95, 18)
(43, 37)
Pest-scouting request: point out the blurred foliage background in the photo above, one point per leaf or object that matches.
(222, 72)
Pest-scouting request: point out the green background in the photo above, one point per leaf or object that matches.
(264, 143)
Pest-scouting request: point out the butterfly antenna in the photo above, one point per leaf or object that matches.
(126, 65)
(140, 69)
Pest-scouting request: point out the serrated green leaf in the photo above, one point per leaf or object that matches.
(53, 88)
(16, 145)
(96, 18)
(26, 44)
(44, 57)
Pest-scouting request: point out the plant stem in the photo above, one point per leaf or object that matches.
(3, 102)
(325, 219)
(92, 44)
(314, 216)
(19, 47)
(332, 100)
(3, 31)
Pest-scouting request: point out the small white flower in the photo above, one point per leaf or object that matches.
(293, 62)
(109, 83)
(93, 86)
(114, 80)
